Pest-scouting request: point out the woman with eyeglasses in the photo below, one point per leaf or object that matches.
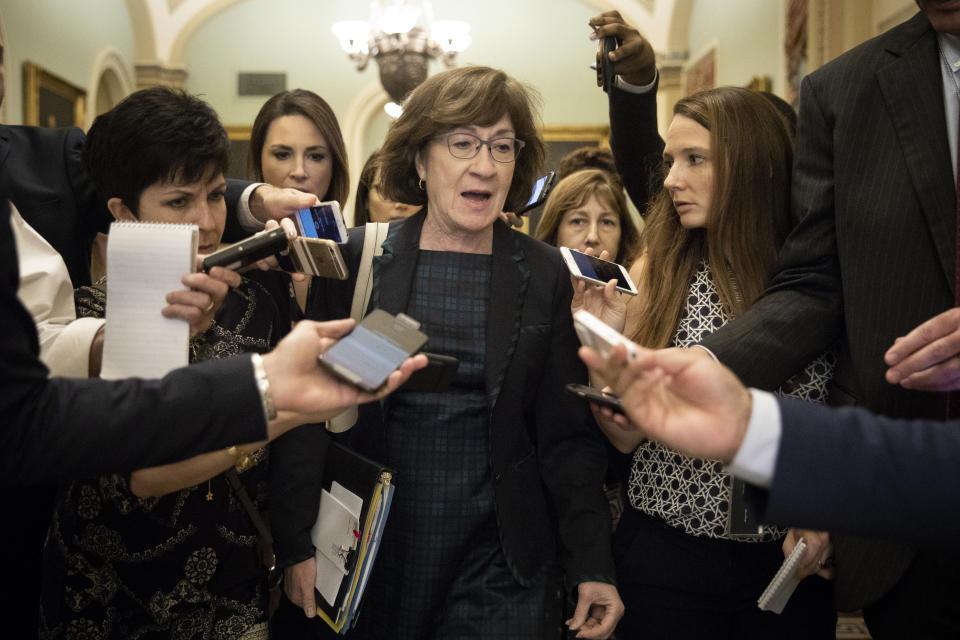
(499, 475)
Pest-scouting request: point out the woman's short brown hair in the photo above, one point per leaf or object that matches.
(573, 192)
(465, 96)
(301, 102)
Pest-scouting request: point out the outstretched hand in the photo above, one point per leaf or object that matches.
(604, 302)
(300, 385)
(682, 399)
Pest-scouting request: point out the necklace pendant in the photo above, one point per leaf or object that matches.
(209, 496)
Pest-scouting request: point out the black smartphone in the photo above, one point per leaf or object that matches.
(541, 189)
(436, 376)
(246, 252)
(378, 345)
(605, 72)
(322, 221)
(595, 396)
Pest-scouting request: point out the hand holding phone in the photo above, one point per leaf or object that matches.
(374, 349)
(597, 271)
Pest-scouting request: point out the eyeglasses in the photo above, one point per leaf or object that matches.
(466, 146)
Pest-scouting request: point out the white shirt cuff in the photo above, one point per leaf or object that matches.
(623, 85)
(756, 459)
(244, 216)
(712, 354)
(68, 354)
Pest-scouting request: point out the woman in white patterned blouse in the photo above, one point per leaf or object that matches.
(711, 238)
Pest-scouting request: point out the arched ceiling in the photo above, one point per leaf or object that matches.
(163, 27)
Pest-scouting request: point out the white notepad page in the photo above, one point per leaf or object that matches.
(145, 262)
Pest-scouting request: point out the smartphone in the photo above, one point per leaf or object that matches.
(597, 271)
(541, 189)
(599, 336)
(374, 349)
(246, 252)
(596, 396)
(436, 376)
(317, 257)
(322, 221)
(605, 72)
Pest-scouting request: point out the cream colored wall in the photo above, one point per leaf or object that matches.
(748, 36)
(70, 39)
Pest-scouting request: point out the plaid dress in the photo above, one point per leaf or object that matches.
(441, 572)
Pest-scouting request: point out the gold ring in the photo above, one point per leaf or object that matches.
(210, 308)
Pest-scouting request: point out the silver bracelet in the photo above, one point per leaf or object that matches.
(263, 386)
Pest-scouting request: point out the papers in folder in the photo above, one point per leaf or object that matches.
(775, 596)
(145, 262)
(350, 520)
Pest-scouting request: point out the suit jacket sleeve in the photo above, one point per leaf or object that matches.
(800, 314)
(95, 217)
(57, 429)
(849, 470)
(636, 145)
(572, 455)
(233, 232)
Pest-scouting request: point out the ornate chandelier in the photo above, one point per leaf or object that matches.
(403, 39)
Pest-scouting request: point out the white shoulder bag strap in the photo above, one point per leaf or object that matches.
(374, 235)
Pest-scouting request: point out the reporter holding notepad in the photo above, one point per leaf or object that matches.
(170, 547)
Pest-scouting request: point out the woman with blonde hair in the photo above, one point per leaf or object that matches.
(588, 210)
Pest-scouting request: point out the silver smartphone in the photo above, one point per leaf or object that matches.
(597, 271)
(322, 221)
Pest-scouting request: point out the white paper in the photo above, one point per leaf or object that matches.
(333, 537)
(349, 499)
(145, 262)
(329, 579)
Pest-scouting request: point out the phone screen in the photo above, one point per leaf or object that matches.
(373, 356)
(537, 190)
(598, 269)
(319, 222)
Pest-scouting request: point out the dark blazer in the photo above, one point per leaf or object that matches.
(54, 429)
(636, 143)
(872, 255)
(547, 458)
(42, 173)
(842, 469)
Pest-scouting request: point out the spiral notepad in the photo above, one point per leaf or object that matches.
(775, 596)
(145, 262)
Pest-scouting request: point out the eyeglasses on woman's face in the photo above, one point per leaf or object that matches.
(466, 146)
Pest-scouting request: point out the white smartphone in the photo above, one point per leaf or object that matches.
(599, 336)
(597, 271)
(322, 221)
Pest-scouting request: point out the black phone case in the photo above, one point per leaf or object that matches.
(436, 376)
(595, 396)
(605, 68)
(248, 251)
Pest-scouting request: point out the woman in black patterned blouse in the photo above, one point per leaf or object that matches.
(711, 238)
(166, 552)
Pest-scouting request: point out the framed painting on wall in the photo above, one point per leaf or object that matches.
(49, 100)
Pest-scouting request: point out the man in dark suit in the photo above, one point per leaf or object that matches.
(824, 468)
(871, 258)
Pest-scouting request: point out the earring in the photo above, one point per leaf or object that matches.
(421, 184)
